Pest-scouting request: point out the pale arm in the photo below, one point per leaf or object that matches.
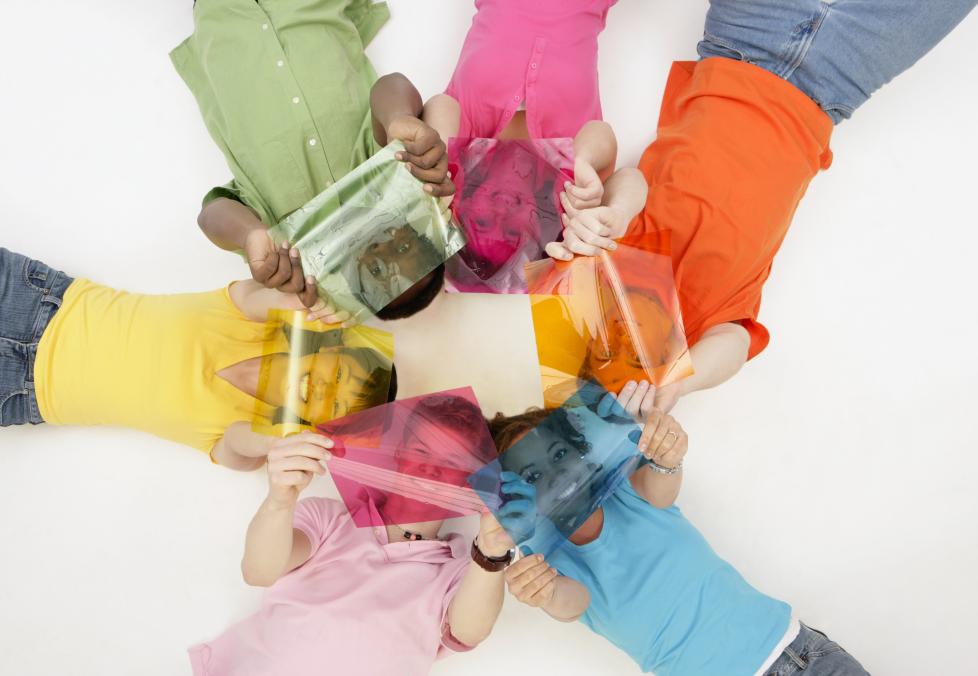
(479, 598)
(625, 194)
(570, 600)
(659, 490)
(717, 357)
(273, 547)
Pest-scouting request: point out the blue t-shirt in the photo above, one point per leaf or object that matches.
(660, 593)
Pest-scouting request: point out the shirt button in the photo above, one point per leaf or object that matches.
(295, 99)
(533, 66)
(280, 63)
(312, 141)
(517, 98)
(264, 26)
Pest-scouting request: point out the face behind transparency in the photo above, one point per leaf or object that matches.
(613, 357)
(565, 480)
(318, 387)
(392, 262)
(501, 214)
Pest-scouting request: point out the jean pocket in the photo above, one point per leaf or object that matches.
(711, 45)
(38, 276)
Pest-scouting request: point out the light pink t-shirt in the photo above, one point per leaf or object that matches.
(359, 606)
(543, 53)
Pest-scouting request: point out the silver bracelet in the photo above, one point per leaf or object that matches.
(659, 469)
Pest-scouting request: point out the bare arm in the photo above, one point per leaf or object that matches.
(596, 146)
(479, 598)
(533, 582)
(240, 448)
(273, 547)
(442, 114)
(717, 357)
(228, 223)
(397, 110)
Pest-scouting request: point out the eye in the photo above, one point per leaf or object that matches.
(404, 247)
(339, 372)
(532, 477)
(375, 270)
(559, 454)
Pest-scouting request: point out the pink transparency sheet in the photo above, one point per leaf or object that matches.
(408, 461)
(508, 204)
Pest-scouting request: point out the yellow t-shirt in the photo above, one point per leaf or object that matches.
(148, 362)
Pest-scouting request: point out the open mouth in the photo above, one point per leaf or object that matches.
(305, 388)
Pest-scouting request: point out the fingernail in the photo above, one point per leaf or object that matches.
(428, 188)
(329, 443)
(294, 252)
(613, 246)
(399, 156)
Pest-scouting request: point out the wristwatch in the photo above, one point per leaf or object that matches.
(489, 563)
(659, 469)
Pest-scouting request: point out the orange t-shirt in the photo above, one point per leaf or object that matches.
(736, 149)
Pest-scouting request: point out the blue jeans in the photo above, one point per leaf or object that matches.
(812, 653)
(836, 51)
(30, 294)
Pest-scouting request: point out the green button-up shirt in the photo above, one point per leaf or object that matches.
(284, 89)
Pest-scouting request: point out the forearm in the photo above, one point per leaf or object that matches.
(239, 438)
(625, 192)
(268, 547)
(442, 113)
(659, 490)
(570, 600)
(393, 96)
(596, 144)
(717, 357)
(227, 223)
(476, 605)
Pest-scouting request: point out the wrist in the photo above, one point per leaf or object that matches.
(491, 552)
(278, 503)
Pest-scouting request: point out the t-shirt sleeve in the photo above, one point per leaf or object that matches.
(317, 518)
(450, 644)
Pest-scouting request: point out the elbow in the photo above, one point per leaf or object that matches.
(470, 639)
(255, 578)
(661, 502)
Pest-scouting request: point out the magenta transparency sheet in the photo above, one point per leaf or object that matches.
(508, 204)
(408, 461)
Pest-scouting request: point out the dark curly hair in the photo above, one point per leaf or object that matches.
(507, 430)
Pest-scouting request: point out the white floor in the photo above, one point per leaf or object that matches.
(837, 471)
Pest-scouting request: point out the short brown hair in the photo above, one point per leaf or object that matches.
(506, 430)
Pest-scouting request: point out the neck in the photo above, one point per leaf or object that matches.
(590, 530)
(397, 505)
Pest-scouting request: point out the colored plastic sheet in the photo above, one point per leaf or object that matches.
(409, 460)
(312, 372)
(508, 203)
(372, 235)
(610, 318)
(546, 485)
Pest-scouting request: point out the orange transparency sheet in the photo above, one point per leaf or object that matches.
(610, 319)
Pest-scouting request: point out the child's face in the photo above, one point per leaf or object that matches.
(614, 359)
(328, 385)
(391, 264)
(500, 216)
(431, 452)
(564, 479)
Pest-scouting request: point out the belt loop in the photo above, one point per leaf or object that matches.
(796, 658)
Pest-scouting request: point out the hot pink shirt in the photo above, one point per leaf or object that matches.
(359, 605)
(543, 52)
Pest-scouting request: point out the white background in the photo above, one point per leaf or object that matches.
(836, 472)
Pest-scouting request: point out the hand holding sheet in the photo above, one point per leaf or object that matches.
(371, 236)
